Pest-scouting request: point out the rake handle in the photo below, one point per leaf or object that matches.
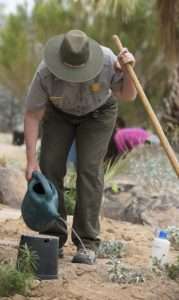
(163, 139)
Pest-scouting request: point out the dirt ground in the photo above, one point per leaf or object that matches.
(84, 282)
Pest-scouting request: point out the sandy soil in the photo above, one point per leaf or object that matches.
(83, 282)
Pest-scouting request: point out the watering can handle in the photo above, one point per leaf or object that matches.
(43, 180)
(163, 139)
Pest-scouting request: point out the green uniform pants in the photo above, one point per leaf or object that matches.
(92, 133)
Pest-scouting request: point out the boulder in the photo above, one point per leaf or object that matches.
(146, 190)
(138, 205)
(12, 186)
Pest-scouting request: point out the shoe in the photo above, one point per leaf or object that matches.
(60, 253)
(84, 256)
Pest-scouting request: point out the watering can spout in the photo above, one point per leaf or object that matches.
(40, 204)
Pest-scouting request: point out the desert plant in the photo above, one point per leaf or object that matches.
(173, 270)
(173, 235)
(18, 280)
(13, 281)
(27, 260)
(112, 170)
(70, 178)
(70, 190)
(112, 248)
(123, 274)
(70, 200)
(157, 268)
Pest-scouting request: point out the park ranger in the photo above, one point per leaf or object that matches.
(74, 93)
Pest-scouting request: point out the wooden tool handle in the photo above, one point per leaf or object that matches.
(164, 141)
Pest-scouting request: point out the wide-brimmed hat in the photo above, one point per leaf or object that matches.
(74, 56)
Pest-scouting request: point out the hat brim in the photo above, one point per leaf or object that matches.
(83, 73)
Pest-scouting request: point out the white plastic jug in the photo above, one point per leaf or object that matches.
(160, 248)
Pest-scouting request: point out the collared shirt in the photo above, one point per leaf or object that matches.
(74, 98)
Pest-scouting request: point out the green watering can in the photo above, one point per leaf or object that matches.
(40, 204)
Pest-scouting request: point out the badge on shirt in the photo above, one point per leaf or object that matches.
(57, 101)
(95, 87)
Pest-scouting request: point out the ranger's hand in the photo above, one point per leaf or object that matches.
(30, 168)
(125, 57)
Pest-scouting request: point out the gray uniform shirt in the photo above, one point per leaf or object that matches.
(74, 98)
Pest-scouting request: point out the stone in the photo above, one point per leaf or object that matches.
(18, 297)
(149, 194)
(12, 186)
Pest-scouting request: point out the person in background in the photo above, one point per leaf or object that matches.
(124, 140)
(71, 94)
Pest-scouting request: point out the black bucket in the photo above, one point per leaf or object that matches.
(46, 248)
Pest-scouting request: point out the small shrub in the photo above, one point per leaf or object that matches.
(70, 190)
(157, 267)
(18, 280)
(13, 281)
(173, 270)
(123, 274)
(27, 260)
(112, 170)
(70, 178)
(112, 248)
(70, 200)
(173, 235)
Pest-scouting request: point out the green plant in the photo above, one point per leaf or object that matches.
(111, 249)
(70, 190)
(70, 178)
(157, 267)
(27, 260)
(173, 235)
(18, 280)
(70, 199)
(123, 274)
(173, 270)
(13, 281)
(112, 170)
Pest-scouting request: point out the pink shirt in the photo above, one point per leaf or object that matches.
(128, 138)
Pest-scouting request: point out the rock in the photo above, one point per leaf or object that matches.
(152, 197)
(140, 207)
(18, 297)
(12, 186)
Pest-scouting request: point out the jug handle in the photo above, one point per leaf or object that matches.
(43, 180)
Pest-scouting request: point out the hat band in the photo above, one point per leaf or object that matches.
(73, 66)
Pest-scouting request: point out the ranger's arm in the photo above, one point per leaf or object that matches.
(126, 90)
(31, 131)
